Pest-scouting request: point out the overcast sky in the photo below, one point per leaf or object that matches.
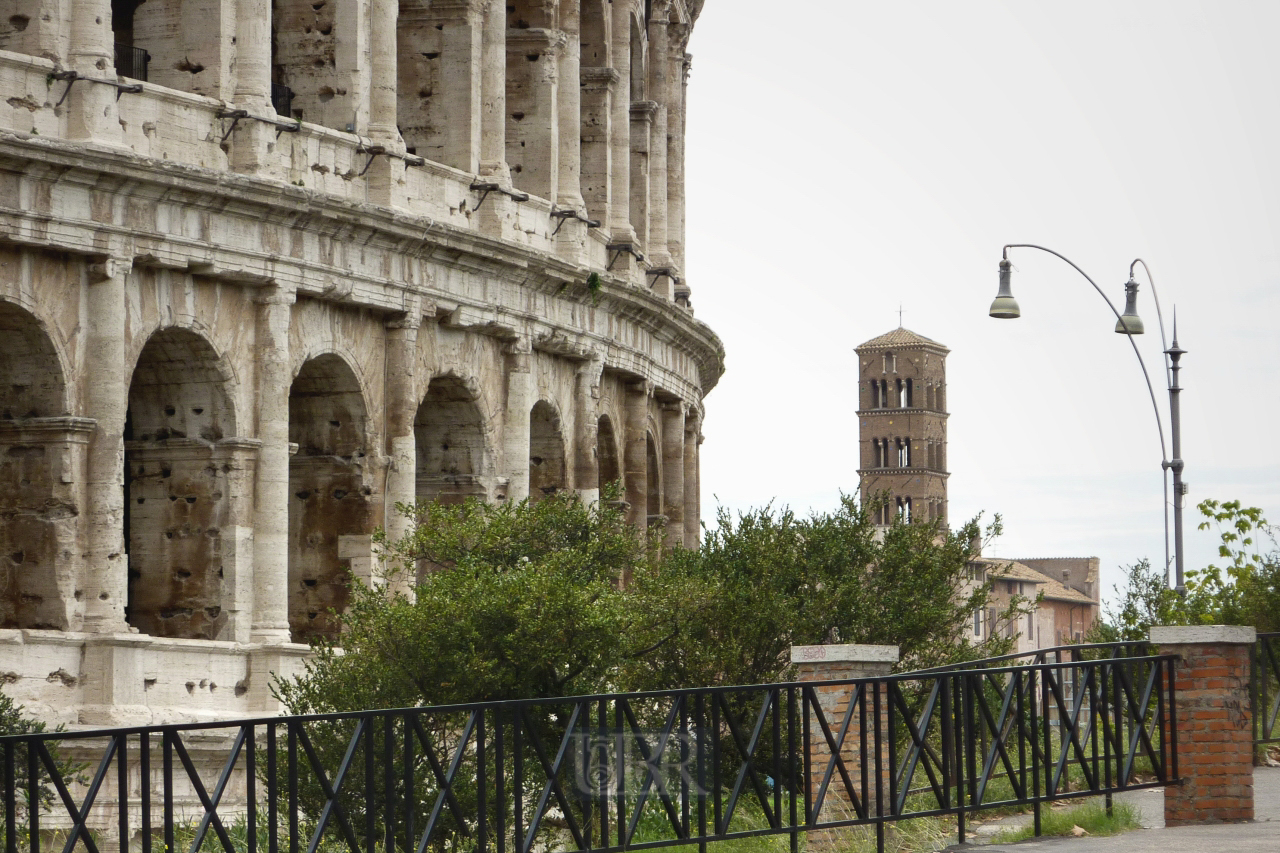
(848, 156)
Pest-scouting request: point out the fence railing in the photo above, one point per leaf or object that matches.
(282, 100)
(1265, 689)
(132, 61)
(603, 773)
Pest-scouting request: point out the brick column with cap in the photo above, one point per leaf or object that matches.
(835, 663)
(1214, 723)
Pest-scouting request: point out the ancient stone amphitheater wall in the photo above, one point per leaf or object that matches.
(269, 268)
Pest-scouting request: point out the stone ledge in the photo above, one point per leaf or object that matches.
(846, 653)
(1203, 635)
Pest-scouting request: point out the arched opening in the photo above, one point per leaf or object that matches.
(449, 433)
(546, 453)
(311, 66)
(37, 510)
(329, 513)
(653, 486)
(178, 485)
(607, 452)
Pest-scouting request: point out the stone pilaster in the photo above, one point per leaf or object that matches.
(493, 94)
(250, 141)
(270, 622)
(569, 191)
(91, 107)
(679, 87)
(385, 172)
(635, 460)
(598, 92)
(403, 396)
(620, 129)
(641, 134)
(673, 438)
(659, 85)
(586, 468)
(692, 498)
(1214, 723)
(106, 583)
(516, 422)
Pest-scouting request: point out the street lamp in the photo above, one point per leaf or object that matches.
(1005, 307)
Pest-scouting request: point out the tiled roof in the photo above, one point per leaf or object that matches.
(899, 337)
(1009, 570)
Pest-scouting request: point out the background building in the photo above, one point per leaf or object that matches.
(902, 416)
(269, 268)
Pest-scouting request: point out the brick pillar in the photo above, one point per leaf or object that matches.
(835, 663)
(1214, 723)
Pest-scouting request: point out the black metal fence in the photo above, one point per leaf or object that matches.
(1265, 689)
(604, 773)
(282, 100)
(132, 61)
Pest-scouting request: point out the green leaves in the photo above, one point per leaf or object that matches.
(1243, 591)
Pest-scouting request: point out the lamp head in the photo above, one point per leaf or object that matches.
(1005, 307)
(1130, 323)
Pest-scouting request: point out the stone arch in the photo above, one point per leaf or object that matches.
(32, 379)
(180, 480)
(37, 509)
(547, 470)
(607, 456)
(330, 518)
(653, 486)
(449, 431)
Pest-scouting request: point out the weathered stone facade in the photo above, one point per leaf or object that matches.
(232, 338)
(902, 417)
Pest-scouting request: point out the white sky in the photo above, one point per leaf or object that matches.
(846, 156)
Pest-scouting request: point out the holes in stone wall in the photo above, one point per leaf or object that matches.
(37, 513)
(179, 408)
(607, 452)
(327, 419)
(449, 433)
(547, 471)
(653, 487)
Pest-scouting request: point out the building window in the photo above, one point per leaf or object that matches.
(904, 510)
(875, 394)
(978, 619)
(890, 363)
(904, 453)
(884, 395)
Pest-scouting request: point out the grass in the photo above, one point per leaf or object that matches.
(1091, 817)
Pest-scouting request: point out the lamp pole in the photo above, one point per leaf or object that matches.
(1005, 307)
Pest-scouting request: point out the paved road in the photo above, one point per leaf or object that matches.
(1261, 836)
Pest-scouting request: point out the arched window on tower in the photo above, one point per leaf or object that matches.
(875, 394)
(884, 395)
(904, 452)
(908, 402)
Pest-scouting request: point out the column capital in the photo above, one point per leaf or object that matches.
(275, 294)
(106, 267)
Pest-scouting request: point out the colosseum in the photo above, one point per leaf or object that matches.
(269, 267)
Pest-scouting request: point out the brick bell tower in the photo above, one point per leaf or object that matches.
(902, 418)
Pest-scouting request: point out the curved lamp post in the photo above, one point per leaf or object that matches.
(1005, 307)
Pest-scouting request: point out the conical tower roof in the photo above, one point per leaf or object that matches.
(900, 337)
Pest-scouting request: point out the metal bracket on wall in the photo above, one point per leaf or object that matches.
(566, 214)
(486, 187)
(659, 272)
(236, 115)
(619, 249)
(375, 150)
(72, 76)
